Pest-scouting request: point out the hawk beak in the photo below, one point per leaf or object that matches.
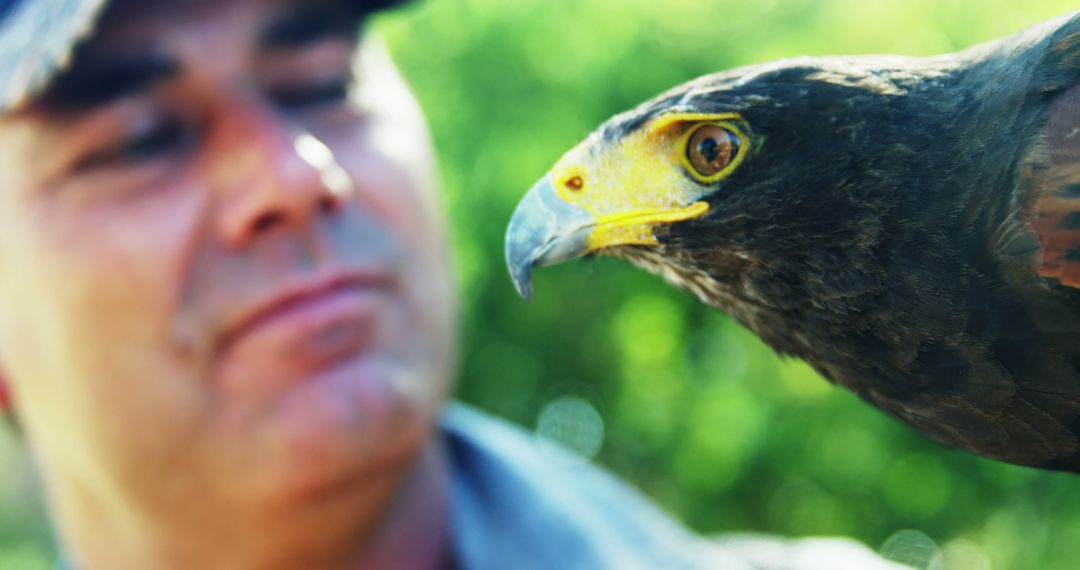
(544, 230)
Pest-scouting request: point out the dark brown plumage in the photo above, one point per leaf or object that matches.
(908, 226)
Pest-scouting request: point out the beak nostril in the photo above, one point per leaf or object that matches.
(329, 205)
(5, 399)
(266, 221)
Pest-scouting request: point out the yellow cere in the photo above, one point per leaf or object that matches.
(641, 181)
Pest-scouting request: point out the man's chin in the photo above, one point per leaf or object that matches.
(346, 423)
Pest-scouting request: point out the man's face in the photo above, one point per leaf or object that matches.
(222, 267)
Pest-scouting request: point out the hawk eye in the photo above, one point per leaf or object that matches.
(711, 148)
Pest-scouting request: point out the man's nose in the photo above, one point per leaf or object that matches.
(269, 173)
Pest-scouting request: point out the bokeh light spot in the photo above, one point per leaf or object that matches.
(912, 547)
(963, 554)
(572, 422)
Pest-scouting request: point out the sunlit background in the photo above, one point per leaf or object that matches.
(677, 399)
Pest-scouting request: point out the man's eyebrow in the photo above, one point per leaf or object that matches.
(309, 25)
(100, 79)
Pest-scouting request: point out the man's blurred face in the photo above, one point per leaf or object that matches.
(222, 267)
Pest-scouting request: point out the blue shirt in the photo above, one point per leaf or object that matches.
(520, 505)
(517, 505)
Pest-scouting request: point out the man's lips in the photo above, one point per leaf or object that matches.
(336, 309)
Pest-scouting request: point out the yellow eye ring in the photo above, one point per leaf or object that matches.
(710, 151)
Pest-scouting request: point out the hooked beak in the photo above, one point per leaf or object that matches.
(544, 230)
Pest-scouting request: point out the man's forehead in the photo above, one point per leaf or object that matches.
(144, 23)
(140, 44)
(38, 37)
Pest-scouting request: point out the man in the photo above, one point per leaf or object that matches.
(226, 314)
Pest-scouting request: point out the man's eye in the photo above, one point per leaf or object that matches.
(317, 95)
(148, 144)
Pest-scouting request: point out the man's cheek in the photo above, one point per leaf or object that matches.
(126, 263)
(391, 194)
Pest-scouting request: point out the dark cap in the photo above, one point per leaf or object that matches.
(38, 37)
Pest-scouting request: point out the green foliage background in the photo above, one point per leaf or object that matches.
(695, 410)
